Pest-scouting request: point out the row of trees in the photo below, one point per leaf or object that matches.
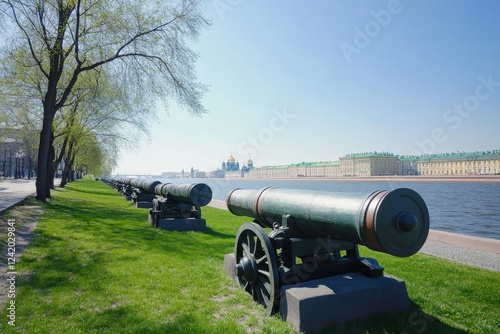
(88, 75)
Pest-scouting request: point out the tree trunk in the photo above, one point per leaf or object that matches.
(72, 172)
(10, 163)
(66, 173)
(30, 166)
(67, 165)
(57, 161)
(42, 190)
(52, 165)
(4, 162)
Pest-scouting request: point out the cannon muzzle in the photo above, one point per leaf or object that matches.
(394, 222)
(197, 194)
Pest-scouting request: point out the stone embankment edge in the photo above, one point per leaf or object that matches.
(485, 244)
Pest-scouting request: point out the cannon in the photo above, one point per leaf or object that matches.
(143, 192)
(140, 192)
(122, 185)
(316, 234)
(178, 206)
(125, 188)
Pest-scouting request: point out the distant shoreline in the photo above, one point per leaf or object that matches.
(396, 178)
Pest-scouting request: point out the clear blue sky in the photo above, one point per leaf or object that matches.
(294, 81)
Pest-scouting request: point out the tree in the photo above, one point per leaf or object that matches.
(144, 44)
(102, 113)
(84, 153)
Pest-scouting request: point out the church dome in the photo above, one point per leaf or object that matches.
(250, 161)
(231, 159)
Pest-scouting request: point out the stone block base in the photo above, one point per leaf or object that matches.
(317, 304)
(229, 264)
(186, 224)
(314, 305)
(143, 205)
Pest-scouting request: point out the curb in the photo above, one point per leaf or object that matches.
(3, 211)
(485, 244)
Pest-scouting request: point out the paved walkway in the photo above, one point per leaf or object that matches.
(13, 191)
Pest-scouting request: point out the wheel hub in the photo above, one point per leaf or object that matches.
(247, 269)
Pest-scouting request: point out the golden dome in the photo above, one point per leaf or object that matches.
(250, 161)
(231, 159)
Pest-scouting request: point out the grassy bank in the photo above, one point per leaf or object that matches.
(96, 266)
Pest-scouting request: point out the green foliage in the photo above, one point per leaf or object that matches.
(97, 266)
(139, 49)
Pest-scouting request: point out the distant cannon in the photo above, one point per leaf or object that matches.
(121, 185)
(143, 192)
(179, 207)
(315, 235)
(140, 192)
(125, 188)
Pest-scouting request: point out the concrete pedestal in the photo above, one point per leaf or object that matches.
(143, 205)
(317, 304)
(186, 224)
(229, 264)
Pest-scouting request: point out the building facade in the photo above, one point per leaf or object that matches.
(388, 164)
(303, 169)
(17, 158)
(448, 164)
(370, 164)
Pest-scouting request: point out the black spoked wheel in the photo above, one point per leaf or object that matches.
(256, 266)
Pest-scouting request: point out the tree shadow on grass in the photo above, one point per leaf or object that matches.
(97, 191)
(113, 226)
(56, 269)
(214, 233)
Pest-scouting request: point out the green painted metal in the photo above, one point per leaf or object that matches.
(147, 186)
(197, 194)
(394, 222)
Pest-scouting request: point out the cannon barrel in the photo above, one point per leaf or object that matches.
(197, 194)
(147, 186)
(394, 222)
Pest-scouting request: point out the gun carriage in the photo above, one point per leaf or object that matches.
(142, 192)
(316, 235)
(125, 188)
(179, 203)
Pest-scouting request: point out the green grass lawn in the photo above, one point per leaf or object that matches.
(97, 266)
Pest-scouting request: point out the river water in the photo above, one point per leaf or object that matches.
(470, 208)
